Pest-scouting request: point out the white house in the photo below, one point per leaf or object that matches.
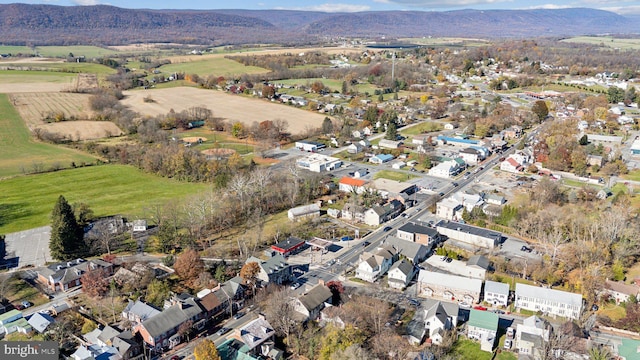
(389, 144)
(496, 293)
(548, 301)
(400, 274)
(447, 169)
(531, 335)
(620, 291)
(511, 165)
(449, 209)
(355, 148)
(438, 318)
(483, 326)
(398, 165)
(313, 301)
(373, 266)
(470, 156)
(349, 185)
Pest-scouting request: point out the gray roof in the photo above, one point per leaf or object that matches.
(419, 229)
(536, 340)
(315, 297)
(68, 271)
(496, 287)
(478, 261)
(291, 242)
(273, 264)
(537, 292)
(107, 334)
(489, 234)
(451, 309)
(440, 312)
(404, 266)
(142, 310)
(40, 322)
(416, 329)
(124, 342)
(256, 332)
(451, 281)
(172, 317)
(304, 210)
(410, 249)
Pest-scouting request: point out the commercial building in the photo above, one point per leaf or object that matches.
(319, 163)
(449, 287)
(471, 235)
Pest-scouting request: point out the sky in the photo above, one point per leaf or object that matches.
(623, 7)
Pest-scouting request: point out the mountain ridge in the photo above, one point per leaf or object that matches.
(109, 25)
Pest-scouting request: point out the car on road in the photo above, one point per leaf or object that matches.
(499, 312)
(238, 315)
(480, 307)
(454, 184)
(366, 243)
(222, 331)
(441, 194)
(449, 260)
(386, 228)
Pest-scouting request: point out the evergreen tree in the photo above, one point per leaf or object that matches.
(392, 131)
(66, 236)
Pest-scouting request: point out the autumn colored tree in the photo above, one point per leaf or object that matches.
(540, 109)
(95, 283)
(206, 350)
(337, 289)
(188, 267)
(157, 292)
(249, 273)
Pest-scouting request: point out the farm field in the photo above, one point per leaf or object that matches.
(59, 51)
(60, 66)
(19, 152)
(608, 41)
(109, 189)
(17, 81)
(231, 107)
(218, 66)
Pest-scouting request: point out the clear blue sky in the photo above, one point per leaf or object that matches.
(619, 6)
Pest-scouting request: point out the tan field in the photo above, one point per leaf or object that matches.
(14, 88)
(234, 108)
(329, 50)
(34, 107)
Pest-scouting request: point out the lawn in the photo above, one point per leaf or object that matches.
(217, 66)
(468, 349)
(20, 290)
(422, 128)
(612, 311)
(18, 152)
(632, 175)
(26, 201)
(393, 175)
(333, 84)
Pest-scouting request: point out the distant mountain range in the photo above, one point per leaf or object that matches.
(108, 25)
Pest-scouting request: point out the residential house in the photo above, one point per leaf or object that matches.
(129, 346)
(12, 321)
(400, 274)
(549, 301)
(356, 134)
(483, 326)
(604, 193)
(420, 234)
(595, 160)
(275, 270)
(398, 165)
(412, 251)
(313, 301)
(450, 126)
(304, 212)
(511, 165)
(496, 293)
(513, 132)
(449, 209)
(161, 331)
(380, 214)
(374, 265)
(471, 235)
(391, 189)
(353, 212)
(530, 337)
(421, 140)
(469, 201)
(138, 311)
(351, 185)
(619, 291)
(64, 276)
(211, 304)
(40, 322)
(318, 163)
(470, 156)
(495, 199)
(381, 158)
(355, 148)
(253, 341)
(358, 173)
(333, 315)
(448, 168)
(438, 318)
(449, 287)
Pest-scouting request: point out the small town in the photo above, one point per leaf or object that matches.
(337, 198)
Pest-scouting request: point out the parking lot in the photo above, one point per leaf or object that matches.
(29, 247)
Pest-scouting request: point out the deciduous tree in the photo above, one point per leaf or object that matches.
(188, 267)
(95, 283)
(206, 350)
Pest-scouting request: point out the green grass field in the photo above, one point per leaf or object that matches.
(59, 51)
(393, 175)
(608, 41)
(34, 76)
(422, 128)
(212, 66)
(18, 151)
(26, 201)
(66, 67)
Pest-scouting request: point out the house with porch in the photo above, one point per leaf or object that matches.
(531, 335)
(483, 327)
(311, 303)
(374, 265)
(496, 293)
(380, 214)
(400, 274)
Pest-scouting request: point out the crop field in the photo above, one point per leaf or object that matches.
(19, 152)
(608, 41)
(60, 66)
(17, 81)
(233, 108)
(26, 201)
(218, 66)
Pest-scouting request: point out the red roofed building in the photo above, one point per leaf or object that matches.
(511, 165)
(348, 184)
(289, 246)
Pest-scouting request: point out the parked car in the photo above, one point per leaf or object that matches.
(222, 331)
(464, 305)
(295, 286)
(386, 228)
(507, 344)
(25, 304)
(441, 194)
(510, 332)
(526, 248)
(414, 302)
(238, 315)
(480, 307)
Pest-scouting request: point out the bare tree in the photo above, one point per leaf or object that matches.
(280, 312)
